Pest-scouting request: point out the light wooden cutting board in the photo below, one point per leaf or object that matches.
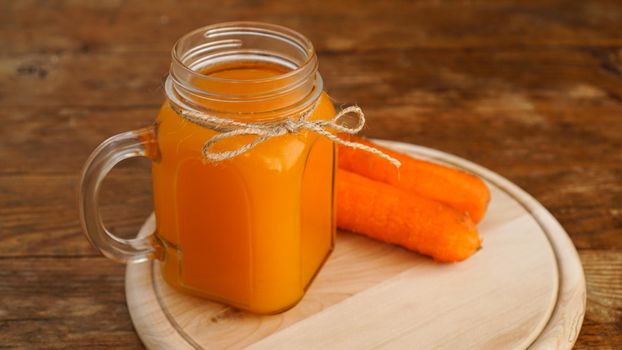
(525, 288)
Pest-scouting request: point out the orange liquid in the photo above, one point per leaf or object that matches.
(251, 231)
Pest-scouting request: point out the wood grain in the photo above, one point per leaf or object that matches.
(529, 89)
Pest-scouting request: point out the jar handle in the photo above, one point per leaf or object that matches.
(142, 142)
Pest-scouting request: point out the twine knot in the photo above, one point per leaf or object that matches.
(291, 126)
(264, 131)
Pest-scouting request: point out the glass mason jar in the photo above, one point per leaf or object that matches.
(250, 231)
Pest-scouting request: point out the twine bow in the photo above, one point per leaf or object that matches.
(264, 131)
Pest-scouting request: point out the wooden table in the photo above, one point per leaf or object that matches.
(531, 90)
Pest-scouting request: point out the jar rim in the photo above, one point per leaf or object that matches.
(267, 116)
(273, 30)
(230, 42)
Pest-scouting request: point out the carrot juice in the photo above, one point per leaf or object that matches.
(242, 169)
(253, 230)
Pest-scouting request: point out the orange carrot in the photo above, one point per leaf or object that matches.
(453, 187)
(389, 214)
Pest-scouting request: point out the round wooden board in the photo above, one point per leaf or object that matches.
(524, 289)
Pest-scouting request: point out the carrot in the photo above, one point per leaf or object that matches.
(386, 213)
(453, 187)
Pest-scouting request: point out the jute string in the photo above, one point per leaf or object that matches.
(264, 131)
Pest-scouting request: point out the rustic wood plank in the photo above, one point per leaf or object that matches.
(64, 303)
(604, 285)
(602, 328)
(433, 93)
(442, 77)
(598, 335)
(40, 217)
(147, 26)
